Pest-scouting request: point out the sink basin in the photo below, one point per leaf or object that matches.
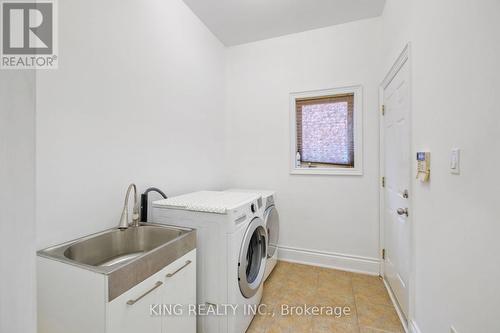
(127, 256)
(119, 246)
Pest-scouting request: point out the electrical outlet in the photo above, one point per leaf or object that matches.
(453, 330)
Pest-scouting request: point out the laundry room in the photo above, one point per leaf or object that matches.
(232, 166)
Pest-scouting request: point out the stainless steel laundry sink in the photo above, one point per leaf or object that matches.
(119, 246)
(127, 256)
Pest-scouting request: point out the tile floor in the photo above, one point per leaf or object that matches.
(371, 310)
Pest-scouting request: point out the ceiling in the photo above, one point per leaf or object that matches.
(241, 21)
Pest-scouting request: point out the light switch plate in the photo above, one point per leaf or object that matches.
(455, 161)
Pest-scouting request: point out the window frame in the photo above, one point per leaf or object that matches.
(357, 91)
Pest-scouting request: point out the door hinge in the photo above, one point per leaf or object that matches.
(383, 254)
(382, 109)
(383, 181)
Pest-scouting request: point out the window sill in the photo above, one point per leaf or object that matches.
(327, 171)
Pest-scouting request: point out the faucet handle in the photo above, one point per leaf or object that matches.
(135, 216)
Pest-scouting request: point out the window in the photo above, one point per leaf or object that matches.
(326, 128)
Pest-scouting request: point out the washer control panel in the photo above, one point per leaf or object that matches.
(248, 211)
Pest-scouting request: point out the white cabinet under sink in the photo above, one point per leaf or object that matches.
(75, 300)
(133, 318)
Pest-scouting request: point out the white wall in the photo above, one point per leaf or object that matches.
(334, 214)
(395, 31)
(17, 202)
(124, 108)
(138, 97)
(456, 79)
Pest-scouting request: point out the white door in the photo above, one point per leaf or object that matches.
(130, 312)
(180, 290)
(396, 145)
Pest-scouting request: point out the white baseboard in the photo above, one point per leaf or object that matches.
(401, 316)
(340, 261)
(413, 327)
(410, 326)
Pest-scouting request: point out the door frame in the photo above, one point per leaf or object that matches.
(403, 58)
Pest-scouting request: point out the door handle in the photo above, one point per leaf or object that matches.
(178, 270)
(403, 211)
(133, 301)
(211, 305)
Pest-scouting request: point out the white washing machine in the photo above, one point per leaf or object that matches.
(272, 221)
(231, 253)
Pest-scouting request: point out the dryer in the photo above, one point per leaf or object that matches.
(231, 253)
(272, 221)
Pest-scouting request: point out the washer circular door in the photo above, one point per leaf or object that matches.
(272, 220)
(253, 256)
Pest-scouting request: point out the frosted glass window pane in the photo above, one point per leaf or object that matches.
(325, 135)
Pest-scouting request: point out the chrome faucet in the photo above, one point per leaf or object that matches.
(135, 211)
